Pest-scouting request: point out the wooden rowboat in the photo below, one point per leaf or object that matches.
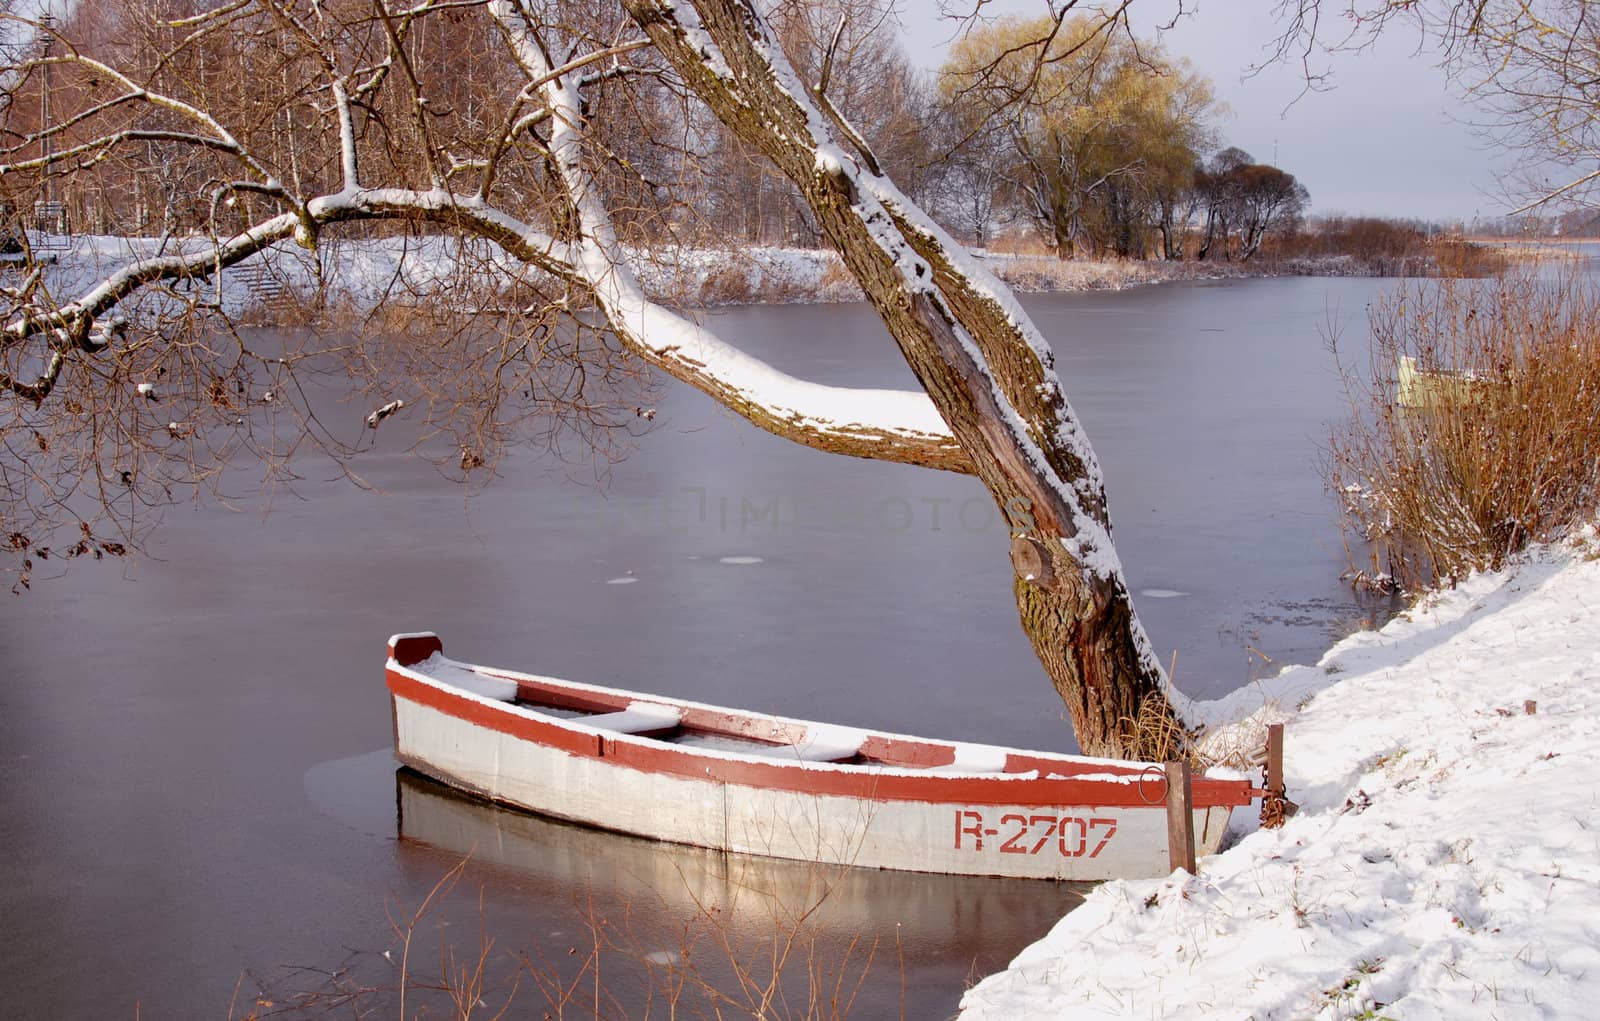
(755, 784)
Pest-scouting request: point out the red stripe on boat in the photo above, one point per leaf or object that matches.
(659, 757)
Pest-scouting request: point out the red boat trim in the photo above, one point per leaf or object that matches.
(655, 757)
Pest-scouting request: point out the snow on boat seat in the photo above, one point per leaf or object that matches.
(827, 743)
(975, 758)
(459, 675)
(638, 718)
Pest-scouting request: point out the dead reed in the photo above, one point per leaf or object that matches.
(1491, 439)
(1154, 728)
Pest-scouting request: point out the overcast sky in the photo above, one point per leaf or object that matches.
(1388, 139)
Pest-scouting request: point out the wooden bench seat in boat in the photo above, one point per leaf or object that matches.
(827, 743)
(640, 718)
(975, 759)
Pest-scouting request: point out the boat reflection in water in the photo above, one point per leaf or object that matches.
(901, 941)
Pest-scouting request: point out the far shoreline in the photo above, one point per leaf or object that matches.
(756, 276)
(284, 281)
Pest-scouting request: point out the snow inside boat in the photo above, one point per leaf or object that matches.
(755, 784)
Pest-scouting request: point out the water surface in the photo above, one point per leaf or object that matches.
(195, 792)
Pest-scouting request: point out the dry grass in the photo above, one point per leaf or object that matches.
(1377, 247)
(1500, 445)
(1020, 241)
(714, 277)
(1155, 729)
(1047, 273)
(1453, 257)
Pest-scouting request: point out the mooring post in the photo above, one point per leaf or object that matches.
(1180, 817)
(1275, 758)
(1276, 806)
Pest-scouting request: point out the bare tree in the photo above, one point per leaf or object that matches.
(389, 153)
(1532, 67)
(970, 183)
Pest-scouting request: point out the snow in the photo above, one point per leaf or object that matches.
(841, 410)
(1445, 862)
(825, 742)
(465, 677)
(384, 412)
(637, 718)
(976, 758)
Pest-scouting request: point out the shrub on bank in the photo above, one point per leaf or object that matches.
(1476, 429)
(1388, 248)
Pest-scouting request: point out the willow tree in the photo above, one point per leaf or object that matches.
(363, 135)
(1097, 125)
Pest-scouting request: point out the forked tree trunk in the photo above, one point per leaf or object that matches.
(973, 351)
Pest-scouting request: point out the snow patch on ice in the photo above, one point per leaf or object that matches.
(741, 560)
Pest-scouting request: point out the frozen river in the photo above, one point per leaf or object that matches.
(195, 787)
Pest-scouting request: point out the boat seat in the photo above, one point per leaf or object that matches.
(824, 743)
(975, 759)
(638, 718)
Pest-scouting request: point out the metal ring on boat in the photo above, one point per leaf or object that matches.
(1158, 771)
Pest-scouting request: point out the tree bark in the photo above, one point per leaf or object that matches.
(976, 355)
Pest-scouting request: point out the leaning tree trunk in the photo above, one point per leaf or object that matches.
(975, 353)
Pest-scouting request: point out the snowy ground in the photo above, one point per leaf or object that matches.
(1446, 859)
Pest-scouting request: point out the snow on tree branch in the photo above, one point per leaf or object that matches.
(894, 425)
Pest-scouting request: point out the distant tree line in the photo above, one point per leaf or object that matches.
(1096, 143)
(1580, 222)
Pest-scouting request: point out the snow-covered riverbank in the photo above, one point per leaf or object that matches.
(1445, 862)
(366, 272)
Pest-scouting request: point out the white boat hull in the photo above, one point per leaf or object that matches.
(865, 816)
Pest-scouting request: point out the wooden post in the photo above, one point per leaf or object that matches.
(1275, 806)
(1275, 758)
(1180, 817)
